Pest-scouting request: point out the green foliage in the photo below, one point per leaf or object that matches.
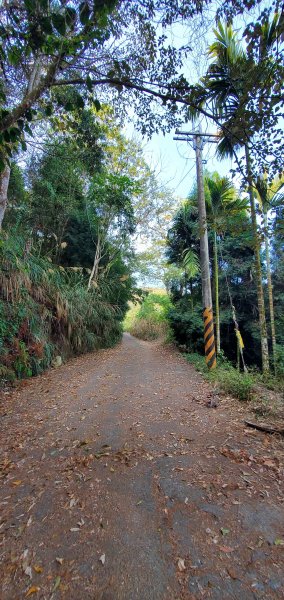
(155, 306)
(6, 374)
(226, 377)
(131, 314)
(47, 310)
(148, 329)
(68, 44)
(57, 192)
(187, 324)
(280, 361)
(66, 275)
(240, 86)
(150, 321)
(239, 385)
(228, 220)
(277, 260)
(17, 195)
(191, 263)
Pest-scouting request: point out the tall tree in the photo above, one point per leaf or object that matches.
(269, 197)
(222, 205)
(56, 194)
(226, 86)
(236, 285)
(110, 202)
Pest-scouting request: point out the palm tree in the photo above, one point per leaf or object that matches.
(184, 231)
(222, 206)
(269, 197)
(222, 203)
(182, 248)
(226, 87)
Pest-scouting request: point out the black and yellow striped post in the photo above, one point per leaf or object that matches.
(209, 340)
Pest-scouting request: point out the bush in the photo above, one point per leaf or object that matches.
(130, 316)
(280, 361)
(187, 325)
(236, 383)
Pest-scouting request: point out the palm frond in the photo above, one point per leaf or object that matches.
(190, 262)
(269, 194)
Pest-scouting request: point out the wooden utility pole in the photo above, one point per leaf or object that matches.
(209, 340)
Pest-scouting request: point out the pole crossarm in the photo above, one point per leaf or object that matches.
(213, 135)
(189, 138)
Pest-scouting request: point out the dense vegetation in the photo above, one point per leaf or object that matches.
(233, 273)
(67, 257)
(47, 310)
(242, 224)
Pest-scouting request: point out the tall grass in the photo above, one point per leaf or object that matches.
(47, 310)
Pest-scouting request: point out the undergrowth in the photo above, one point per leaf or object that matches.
(47, 310)
(225, 376)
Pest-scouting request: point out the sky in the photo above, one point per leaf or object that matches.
(174, 161)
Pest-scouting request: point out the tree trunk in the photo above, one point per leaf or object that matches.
(270, 290)
(30, 98)
(260, 296)
(4, 184)
(95, 269)
(35, 88)
(216, 280)
(238, 356)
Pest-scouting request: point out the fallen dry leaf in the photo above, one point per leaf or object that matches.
(269, 463)
(38, 569)
(181, 565)
(28, 571)
(239, 455)
(226, 549)
(232, 573)
(32, 590)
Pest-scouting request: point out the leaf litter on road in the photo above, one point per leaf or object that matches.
(179, 459)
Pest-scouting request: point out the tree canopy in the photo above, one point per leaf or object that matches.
(119, 46)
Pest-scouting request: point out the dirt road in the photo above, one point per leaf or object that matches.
(118, 482)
